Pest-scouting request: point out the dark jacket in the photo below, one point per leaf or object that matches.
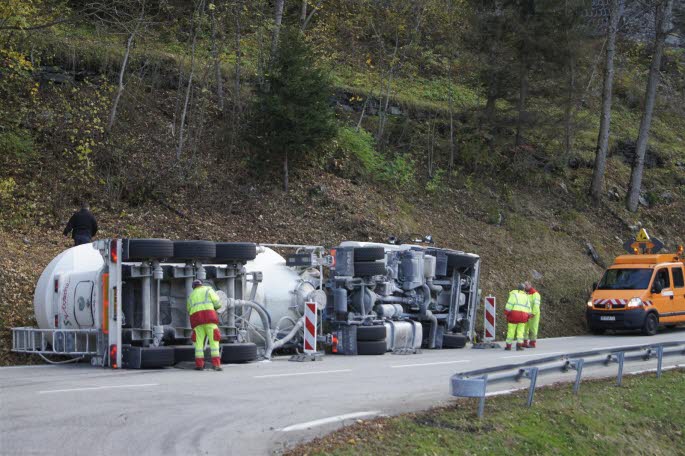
(82, 223)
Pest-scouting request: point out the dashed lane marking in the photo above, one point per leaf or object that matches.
(294, 374)
(97, 388)
(431, 364)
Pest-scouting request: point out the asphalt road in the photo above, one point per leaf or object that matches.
(255, 409)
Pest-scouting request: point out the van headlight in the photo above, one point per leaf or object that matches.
(635, 302)
(589, 303)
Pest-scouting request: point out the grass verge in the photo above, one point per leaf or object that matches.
(645, 416)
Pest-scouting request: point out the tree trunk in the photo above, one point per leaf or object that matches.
(663, 22)
(237, 106)
(568, 111)
(285, 171)
(278, 19)
(120, 88)
(303, 13)
(523, 98)
(597, 186)
(217, 62)
(181, 138)
(571, 87)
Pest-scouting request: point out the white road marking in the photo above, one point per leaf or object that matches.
(331, 419)
(431, 364)
(94, 388)
(532, 354)
(503, 392)
(649, 371)
(27, 367)
(303, 373)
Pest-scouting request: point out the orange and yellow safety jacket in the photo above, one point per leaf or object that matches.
(202, 305)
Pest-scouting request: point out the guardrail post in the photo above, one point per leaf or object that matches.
(471, 387)
(577, 365)
(659, 359)
(532, 374)
(619, 358)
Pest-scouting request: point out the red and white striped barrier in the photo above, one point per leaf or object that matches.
(489, 320)
(310, 327)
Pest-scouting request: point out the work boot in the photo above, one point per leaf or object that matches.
(519, 347)
(199, 364)
(532, 344)
(216, 364)
(525, 344)
(508, 347)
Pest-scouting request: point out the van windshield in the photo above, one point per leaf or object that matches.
(625, 279)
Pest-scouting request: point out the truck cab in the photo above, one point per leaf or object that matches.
(640, 291)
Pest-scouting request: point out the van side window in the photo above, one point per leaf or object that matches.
(678, 281)
(662, 278)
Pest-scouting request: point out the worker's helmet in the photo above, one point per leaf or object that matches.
(522, 286)
(197, 283)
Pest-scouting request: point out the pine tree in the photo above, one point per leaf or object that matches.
(293, 114)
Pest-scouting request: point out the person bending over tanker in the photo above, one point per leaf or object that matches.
(202, 305)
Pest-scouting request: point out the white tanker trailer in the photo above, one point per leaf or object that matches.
(122, 302)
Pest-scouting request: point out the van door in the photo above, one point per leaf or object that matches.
(662, 294)
(678, 302)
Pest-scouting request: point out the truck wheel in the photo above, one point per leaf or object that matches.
(651, 324)
(371, 347)
(453, 341)
(146, 249)
(238, 353)
(235, 251)
(362, 269)
(369, 253)
(371, 333)
(194, 250)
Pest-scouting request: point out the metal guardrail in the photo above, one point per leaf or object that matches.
(56, 341)
(475, 383)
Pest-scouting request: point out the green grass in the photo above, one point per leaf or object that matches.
(645, 416)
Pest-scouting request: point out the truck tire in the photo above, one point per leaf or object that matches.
(194, 250)
(364, 269)
(453, 341)
(369, 253)
(371, 333)
(371, 347)
(651, 324)
(146, 249)
(238, 353)
(235, 251)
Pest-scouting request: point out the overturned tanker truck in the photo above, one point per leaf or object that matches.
(121, 303)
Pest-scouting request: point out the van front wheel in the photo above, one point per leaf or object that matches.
(651, 325)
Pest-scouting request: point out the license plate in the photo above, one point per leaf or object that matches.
(607, 318)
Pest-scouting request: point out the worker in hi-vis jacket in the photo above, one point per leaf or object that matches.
(530, 335)
(517, 312)
(202, 305)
